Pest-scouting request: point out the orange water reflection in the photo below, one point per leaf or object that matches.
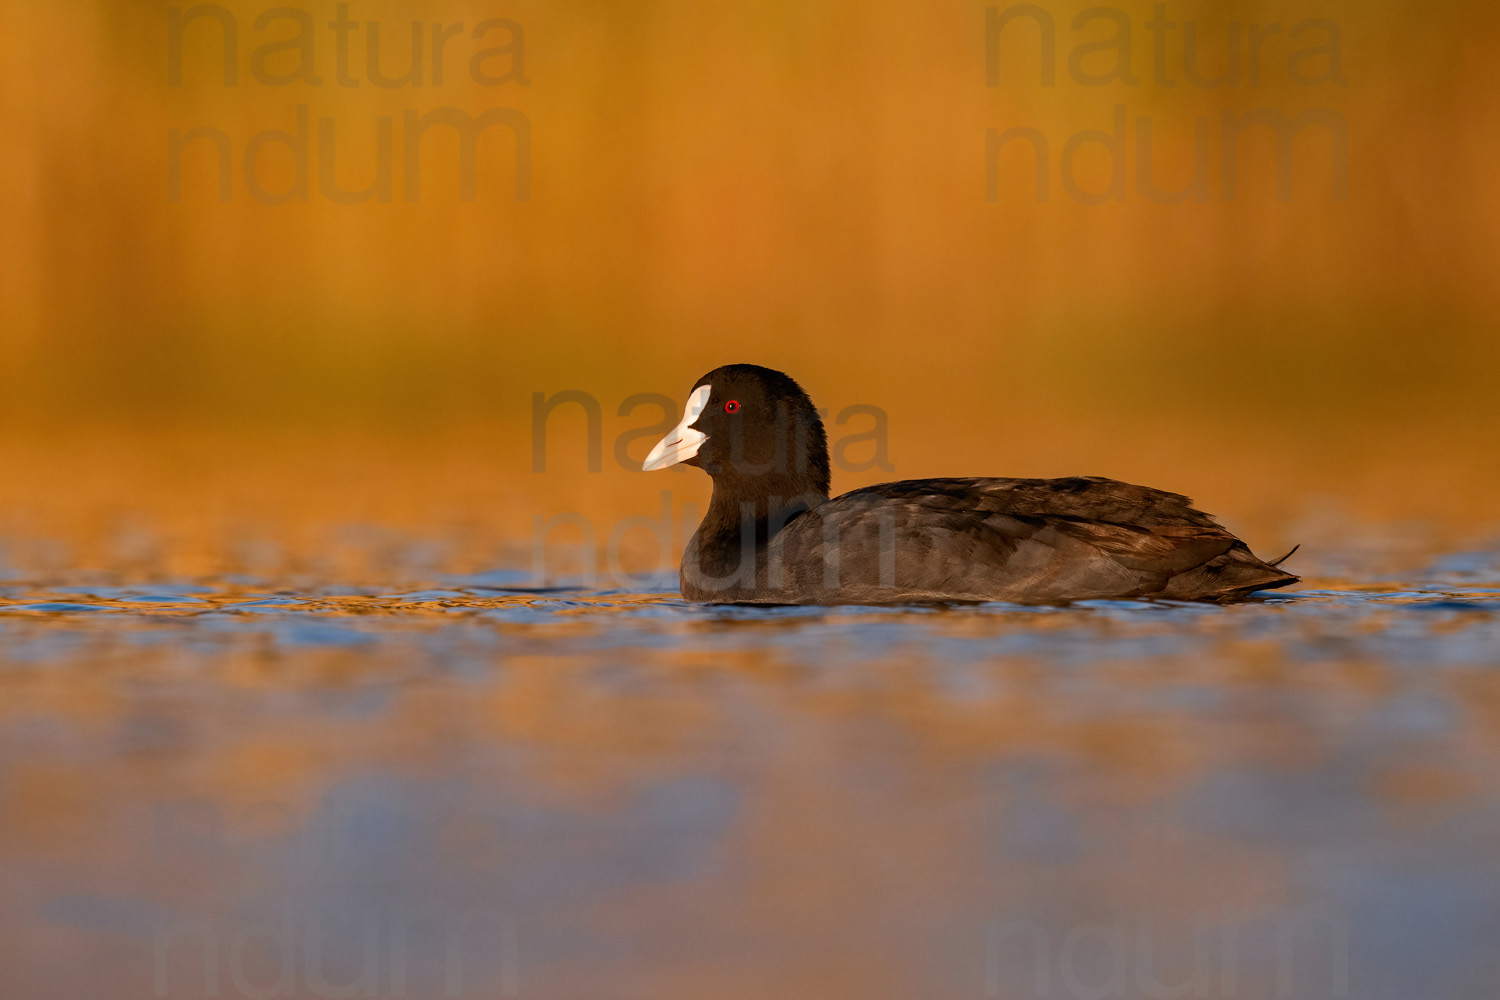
(631, 796)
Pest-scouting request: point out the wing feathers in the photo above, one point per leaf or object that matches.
(1015, 540)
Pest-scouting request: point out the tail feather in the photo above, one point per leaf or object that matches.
(1278, 562)
(1232, 576)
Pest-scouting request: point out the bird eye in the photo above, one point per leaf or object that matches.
(733, 406)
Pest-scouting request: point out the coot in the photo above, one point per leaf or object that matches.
(773, 536)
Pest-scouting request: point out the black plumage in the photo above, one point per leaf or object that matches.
(772, 535)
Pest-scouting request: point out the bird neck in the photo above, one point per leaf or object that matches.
(773, 498)
(747, 512)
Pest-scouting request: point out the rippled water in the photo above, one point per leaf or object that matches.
(480, 789)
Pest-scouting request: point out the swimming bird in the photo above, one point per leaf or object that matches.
(772, 535)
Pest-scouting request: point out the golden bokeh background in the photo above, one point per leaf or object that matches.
(245, 448)
(801, 185)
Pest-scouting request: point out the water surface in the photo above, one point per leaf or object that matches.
(476, 788)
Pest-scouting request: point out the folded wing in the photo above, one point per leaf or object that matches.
(1030, 540)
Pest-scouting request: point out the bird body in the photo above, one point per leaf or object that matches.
(772, 535)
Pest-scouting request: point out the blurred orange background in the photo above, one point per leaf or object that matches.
(800, 185)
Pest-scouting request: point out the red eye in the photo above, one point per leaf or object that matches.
(733, 406)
